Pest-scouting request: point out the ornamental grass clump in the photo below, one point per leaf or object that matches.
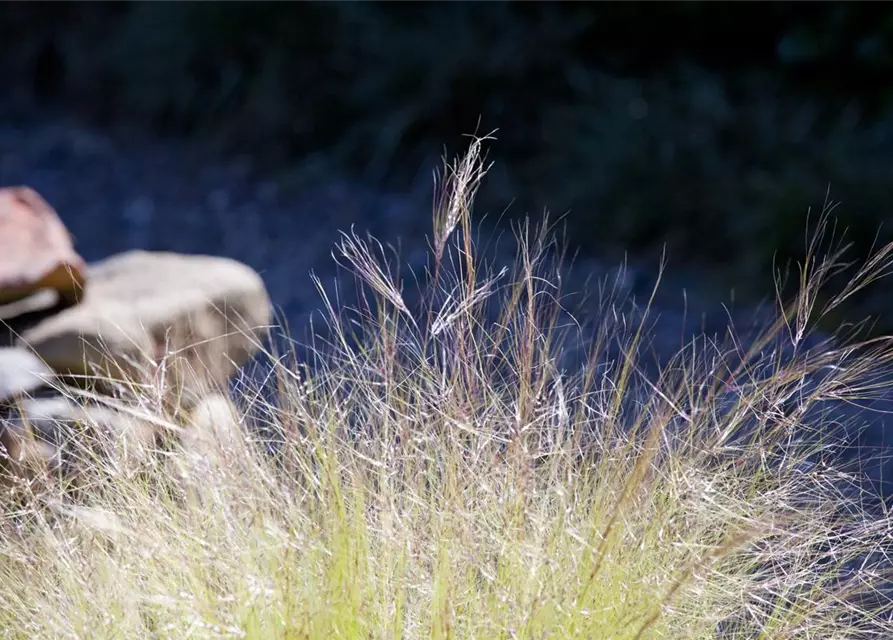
(435, 467)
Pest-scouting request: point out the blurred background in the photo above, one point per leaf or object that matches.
(258, 129)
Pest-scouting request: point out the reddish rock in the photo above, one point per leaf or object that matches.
(36, 250)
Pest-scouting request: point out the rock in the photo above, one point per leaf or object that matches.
(22, 456)
(42, 300)
(46, 415)
(212, 428)
(53, 428)
(36, 250)
(21, 372)
(212, 447)
(16, 317)
(180, 323)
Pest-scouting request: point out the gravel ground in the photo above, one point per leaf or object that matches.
(122, 190)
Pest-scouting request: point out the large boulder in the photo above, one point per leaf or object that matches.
(180, 324)
(36, 250)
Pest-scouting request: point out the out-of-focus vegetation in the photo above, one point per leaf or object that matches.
(708, 127)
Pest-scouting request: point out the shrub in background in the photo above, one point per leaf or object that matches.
(651, 124)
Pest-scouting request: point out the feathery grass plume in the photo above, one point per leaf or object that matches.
(454, 200)
(450, 478)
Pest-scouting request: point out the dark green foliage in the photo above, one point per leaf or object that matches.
(710, 127)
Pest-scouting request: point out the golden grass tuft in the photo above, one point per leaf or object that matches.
(431, 472)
